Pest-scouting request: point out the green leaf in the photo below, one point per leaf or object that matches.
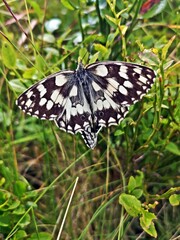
(174, 199)
(20, 64)
(111, 19)
(51, 52)
(47, 37)
(40, 236)
(30, 73)
(20, 188)
(173, 148)
(40, 63)
(8, 55)
(20, 210)
(14, 204)
(94, 58)
(37, 9)
(118, 132)
(139, 179)
(68, 5)
(166, 48)
(149, 57)
(84, 55)
(5, 220)
(105, 52)
(131, 184)
(92, 38)
(147, 224)
(25, 221)
(137, 193)
(131, 204)
(151, 230)
(147, 217)
(111, 37)
(21, 234)
(17, 85)
(156, 9)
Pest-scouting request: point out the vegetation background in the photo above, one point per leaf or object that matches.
(51, 185)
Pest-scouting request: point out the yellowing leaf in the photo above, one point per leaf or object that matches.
(8, 56)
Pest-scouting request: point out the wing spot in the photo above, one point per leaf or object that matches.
(124, 103)
(82, 117)
(73, 111)
(106, 104)
(62, 124)
(99, 104)
(52, 116)
(144, 87)
(111, 120)
(101, 114)
(29, 94)
(118, 116)
(41, 89)
(137, 70)
(28, 103)
(79, 108)
(101, 121)
(49, 104)
(101, 70)
(69, 127)
(77, 127)
(112, 81)
(123, 90)
(43, 92)
(143, 79)
(110, 101)
(36, 112)
(95, 86)
(60, 80)
(149, 76)
(85, 124)
(123, 110)
(123, 69)
(54, 95)
(60, 100)
(128, 84)
(73, 92)
(123, 75)
(33, 97)
(42, 101)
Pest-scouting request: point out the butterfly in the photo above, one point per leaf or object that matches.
(89, 98)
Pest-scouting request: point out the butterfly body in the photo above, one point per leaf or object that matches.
(89, 98)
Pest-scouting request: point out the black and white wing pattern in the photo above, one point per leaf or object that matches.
(89, 98)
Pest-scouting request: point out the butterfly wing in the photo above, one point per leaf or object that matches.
(60, 97)
(47, 98)
(117, 86)
(89, 98)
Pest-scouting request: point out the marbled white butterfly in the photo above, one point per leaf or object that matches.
(89, 98)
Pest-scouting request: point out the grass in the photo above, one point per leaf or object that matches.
(52, 186)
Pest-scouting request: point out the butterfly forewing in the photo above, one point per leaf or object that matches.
(47, 98)
(126, 83)
(121, 84)
(89, 98)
